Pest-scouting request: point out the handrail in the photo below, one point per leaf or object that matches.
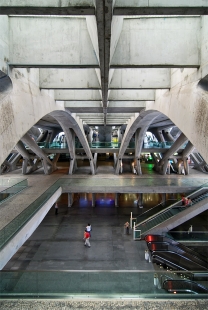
(182, 256)
(193, 284)
(159, 204)
(169, 208)
(171, 263)
(164, 260)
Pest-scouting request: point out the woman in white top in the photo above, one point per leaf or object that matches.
(89, 228)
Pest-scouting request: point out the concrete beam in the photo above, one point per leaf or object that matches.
(69, 78)
(81, 95)
(50, 41)
(128, 95)
(164, 36)
(104, 13)
(48, 7)
(140, 78)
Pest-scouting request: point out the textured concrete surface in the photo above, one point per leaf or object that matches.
(35, 304)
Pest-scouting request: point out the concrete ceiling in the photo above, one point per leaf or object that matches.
(104, 58)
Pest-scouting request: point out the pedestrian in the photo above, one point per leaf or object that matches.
(190, 229)
(184, 200)
(189, 202)
(89, 228)
(87, 238)
(126, 225)
(56, 208)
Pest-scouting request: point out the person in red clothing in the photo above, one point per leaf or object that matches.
(184, 201)
(87, 238)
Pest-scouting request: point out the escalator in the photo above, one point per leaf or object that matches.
(176, 261)
(161, 206)
(161, 238)
(184, 286)
(166, 247)
(173, 215)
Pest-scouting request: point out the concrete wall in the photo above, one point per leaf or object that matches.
(204, 45)
(186, 105)
(23, 108)
(4, 43)
(162, 39)
(42, 40)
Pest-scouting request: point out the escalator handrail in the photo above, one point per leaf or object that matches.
(164, 260)
(184, 257)
(169, 208)
(180, 249)
(145, 213)
(189, 282)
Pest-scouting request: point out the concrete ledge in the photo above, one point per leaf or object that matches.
(147, 304)
(23, 234)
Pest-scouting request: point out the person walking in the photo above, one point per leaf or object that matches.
(89, 228)
(87, 238)
(56, 208)
(126, 225)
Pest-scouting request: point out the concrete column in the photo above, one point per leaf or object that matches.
(47, 164)
(163, 198)
(70, 199)
(95, 160)
(138, 166)
(115, 158)
(93, 199)
(24, 165)
(162, 139)
(89, 136)
(140, 200)
(168, 167)
(119, 135)
(116, 199)
(167, 136)
(186, 165)
(164, 161)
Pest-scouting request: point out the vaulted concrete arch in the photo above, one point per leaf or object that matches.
(186, 106)
(67, 121)
(16, 119)
(144, 119)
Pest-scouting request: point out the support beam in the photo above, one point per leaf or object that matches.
(104, 13)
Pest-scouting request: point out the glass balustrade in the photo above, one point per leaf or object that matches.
(100, 284)
(18, 222)
(12, 187)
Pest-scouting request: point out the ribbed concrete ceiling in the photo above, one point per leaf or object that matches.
(104, 58)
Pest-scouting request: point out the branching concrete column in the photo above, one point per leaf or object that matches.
(167, 135)
(162, 166)
(186, 152)
(26, 159)
(70, 137)
(93, 199)
(116, 199)
(139, 138)
(47, 164)
(70, 199)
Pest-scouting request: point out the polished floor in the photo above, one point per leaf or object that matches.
(57, 244)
